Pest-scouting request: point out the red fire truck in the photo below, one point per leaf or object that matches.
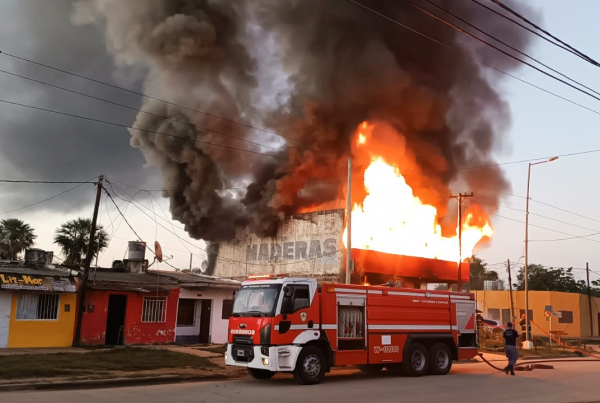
(282, 324)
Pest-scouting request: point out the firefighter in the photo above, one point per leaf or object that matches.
(510, 346)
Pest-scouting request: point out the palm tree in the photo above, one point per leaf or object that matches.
(73, 238)
(15, 236)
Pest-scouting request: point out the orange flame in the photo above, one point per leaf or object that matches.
(393, 220)
(366, 282)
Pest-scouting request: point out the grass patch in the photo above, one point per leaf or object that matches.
(121, 359)
(216, 349)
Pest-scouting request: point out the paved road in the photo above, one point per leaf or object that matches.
(569, 382)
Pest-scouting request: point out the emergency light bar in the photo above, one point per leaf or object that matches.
(265, 276)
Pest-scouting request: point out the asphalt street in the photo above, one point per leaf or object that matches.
(468, 382)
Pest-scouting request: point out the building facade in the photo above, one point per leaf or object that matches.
(576, 319)
(129, 309)
(37, 306)
(204, 307)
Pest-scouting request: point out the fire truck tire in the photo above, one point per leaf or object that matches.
(260, 373)
(440, 359)
(417, 360)
(371, 369)
(310, 366)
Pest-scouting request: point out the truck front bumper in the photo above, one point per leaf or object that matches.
(277, 359)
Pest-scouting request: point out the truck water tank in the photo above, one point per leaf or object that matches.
(137, 251)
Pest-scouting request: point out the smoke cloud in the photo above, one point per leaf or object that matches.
(312, 70)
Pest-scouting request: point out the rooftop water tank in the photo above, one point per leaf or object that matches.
(137, 251)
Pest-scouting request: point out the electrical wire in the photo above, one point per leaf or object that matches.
(141, 94)
(518, 15)
(461, 30)
(44, 182)
(43, 201)
(465, 54)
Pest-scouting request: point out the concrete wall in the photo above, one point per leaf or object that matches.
(306, 245)
(218, 326)
(93, 329)
(43, 333)
(488, 301)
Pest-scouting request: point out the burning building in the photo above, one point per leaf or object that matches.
(266, 100)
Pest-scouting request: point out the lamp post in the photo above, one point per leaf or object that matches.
(527, 344)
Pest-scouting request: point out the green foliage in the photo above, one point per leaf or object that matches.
(480, 273)
(15, 236)
(73, 237)
(554, 279)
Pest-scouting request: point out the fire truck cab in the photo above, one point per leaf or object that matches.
(282, 324)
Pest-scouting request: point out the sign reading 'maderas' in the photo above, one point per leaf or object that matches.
(28, 282)
(305, 244)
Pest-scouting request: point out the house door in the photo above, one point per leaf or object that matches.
(205, 311)
(115, 320)
(5, 304)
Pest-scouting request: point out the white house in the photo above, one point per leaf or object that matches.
(205, 304)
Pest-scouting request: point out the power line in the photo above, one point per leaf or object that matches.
(579, 53)
(141, 94)
(141, 111)
(507, 45)
(459, 29)
(43, 201)
(527, 28)
(135, 128)
(473, 58)
(45, 182)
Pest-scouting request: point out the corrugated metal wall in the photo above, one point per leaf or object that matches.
(306, 244)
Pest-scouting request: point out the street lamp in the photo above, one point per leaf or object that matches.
(527, 344)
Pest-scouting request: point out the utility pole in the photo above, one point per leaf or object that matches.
(460, 198)
(191, 255)
(88, 261)
(512, 305)
(587, 272)
(349, 220)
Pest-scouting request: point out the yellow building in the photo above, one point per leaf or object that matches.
(37, 307)
(574, 309)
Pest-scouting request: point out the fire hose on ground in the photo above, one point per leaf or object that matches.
(540, 364)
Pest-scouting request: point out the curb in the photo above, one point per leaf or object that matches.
(109, 383)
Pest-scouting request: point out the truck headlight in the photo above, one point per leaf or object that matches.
(266, 362)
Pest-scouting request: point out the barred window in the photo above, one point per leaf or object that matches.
(154, 309)
(38, 306)
(566, 317)
(186, 314)
(227, 308)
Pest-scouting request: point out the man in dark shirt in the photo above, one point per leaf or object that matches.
(510, 337)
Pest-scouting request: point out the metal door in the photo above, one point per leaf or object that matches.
(5, 305)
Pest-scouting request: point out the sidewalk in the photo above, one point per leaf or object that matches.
(60, 368)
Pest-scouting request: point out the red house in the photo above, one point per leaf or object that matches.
(129, 308)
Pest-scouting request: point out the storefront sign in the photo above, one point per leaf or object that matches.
(27, 282)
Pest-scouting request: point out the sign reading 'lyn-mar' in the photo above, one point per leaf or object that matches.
(25, 282)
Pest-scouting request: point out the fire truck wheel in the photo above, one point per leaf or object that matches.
(260, 373)
(417, 360)
(440, 359)
(310, 367)
(370, 369)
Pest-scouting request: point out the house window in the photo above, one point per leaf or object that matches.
(506, 316)
(566, 317)
(37, 306)
(186, 314)
(227, 309)
(494, 314)
(154, 309)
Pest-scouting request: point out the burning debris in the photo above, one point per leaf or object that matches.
(313, 71)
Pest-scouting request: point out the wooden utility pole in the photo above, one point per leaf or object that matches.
(512, 305)
(460, 198)
(587, 272)
(191, 256)
(349, 220)
(87, 263)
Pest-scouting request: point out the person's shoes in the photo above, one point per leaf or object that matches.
(512, 371)
(506, 369)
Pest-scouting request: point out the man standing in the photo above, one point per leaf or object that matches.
(510, 337)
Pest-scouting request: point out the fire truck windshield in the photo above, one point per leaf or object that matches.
(256, 300)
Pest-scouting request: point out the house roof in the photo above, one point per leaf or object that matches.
(17, 268)
(196, 281)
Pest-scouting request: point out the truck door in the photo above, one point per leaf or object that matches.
(297, 313)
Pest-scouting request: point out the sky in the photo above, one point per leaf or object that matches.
(35, 145)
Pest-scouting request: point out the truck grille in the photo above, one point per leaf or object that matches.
(242, 353)
(242, 339)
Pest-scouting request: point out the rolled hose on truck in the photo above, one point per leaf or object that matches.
(539, 364)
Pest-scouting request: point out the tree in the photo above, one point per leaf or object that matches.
(480, 273)
(73, 238)
(15, 236)
(550, 279)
